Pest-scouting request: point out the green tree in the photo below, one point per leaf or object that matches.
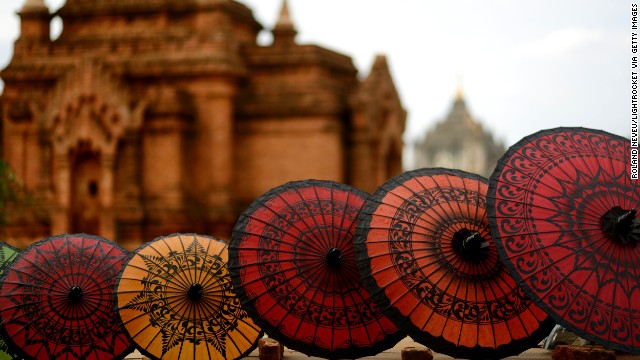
(10, 191)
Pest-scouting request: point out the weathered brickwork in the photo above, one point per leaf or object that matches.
(156, 116)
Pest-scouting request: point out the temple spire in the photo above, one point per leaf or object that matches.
(34, 5)
(459, 112)
(34, 23)
(284, 32)
(459, 92)
(285, 19)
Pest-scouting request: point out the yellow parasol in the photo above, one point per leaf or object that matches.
(175, 299)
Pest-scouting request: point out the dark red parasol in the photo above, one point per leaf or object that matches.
(563, 210)
(293, 266)
(56, 299)
(425, 253)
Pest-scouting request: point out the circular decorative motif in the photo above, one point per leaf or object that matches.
(423, 247)
(175, 299)
(549, 203)
(57, 299)
(293, 265)
(421, 214)
(308, 257)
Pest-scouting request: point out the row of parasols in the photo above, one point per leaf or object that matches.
(470, 267)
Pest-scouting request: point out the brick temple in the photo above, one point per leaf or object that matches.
(149, 117)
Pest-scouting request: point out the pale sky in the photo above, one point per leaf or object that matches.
(523, 66)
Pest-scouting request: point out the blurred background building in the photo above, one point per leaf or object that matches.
(150, 117)
(458, 142)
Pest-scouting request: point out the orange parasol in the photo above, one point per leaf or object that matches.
(175, 300)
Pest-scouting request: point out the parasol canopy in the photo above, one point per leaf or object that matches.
(56, 299)
(175, 300)
(292, 262)
(8, 253)
(425, 253)
(563, 211)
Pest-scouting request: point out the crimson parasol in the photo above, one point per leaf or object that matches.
(424, 250)
(563, 210)
(293, 265)
(56, 299)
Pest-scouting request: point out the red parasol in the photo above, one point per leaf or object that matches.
(562, 208)
(425, 253)
(292, 263)
(56, 299)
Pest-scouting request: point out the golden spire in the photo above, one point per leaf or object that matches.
(459, 92)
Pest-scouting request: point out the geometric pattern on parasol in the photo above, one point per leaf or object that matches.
(293, 265)
(56, 299)
(8, 253)
(424, 250)
(175, 299)
(563, 211)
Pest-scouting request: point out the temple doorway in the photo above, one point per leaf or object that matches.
(85, 193)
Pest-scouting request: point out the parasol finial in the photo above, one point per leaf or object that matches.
(470, 245)
(75, 294)
(622, 225)
(334, 257)
(195, 292)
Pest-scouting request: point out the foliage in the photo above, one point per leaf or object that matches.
(10, 190)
